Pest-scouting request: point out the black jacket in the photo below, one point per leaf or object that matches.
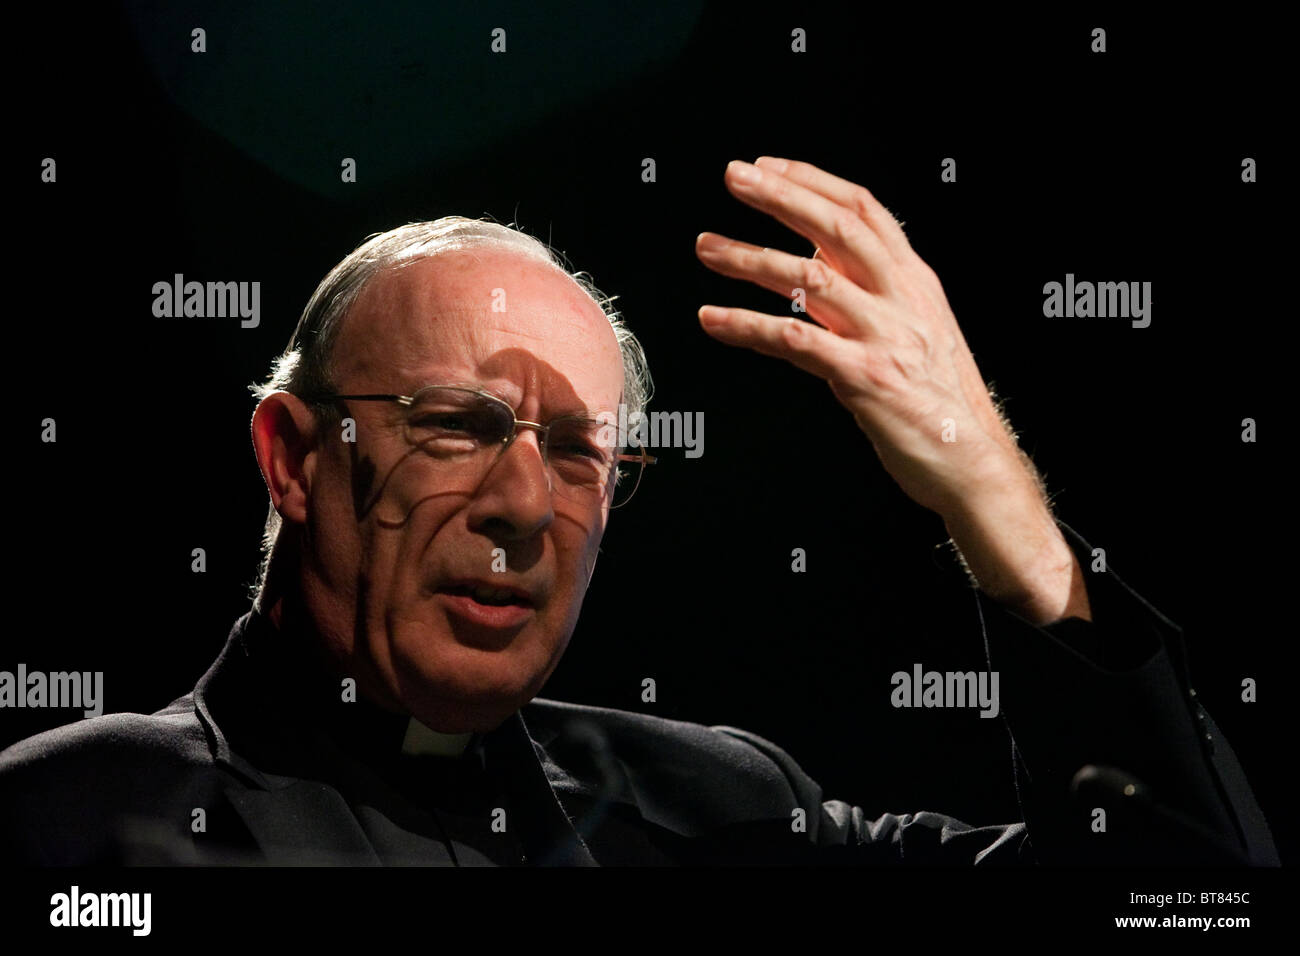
(263, 762)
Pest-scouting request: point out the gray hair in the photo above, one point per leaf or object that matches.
(306, 365)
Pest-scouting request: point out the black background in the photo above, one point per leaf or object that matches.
(1122, 166)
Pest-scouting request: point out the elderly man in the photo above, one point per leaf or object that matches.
(440, 480)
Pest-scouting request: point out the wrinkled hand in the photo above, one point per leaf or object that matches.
(885, 339)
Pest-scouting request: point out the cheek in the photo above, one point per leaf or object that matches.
(390, 493)
(576, 551)
(391, 503)
(334, 536)
(403, 558)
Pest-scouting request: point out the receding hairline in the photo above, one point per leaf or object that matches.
(307, 365)
(593, 311)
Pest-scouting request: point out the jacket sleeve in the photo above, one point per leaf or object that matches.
(1116, 760)
(1104, 720)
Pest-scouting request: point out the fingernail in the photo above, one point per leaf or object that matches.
(710, 315)
(743, 173)
(709, 243)
(773, 163)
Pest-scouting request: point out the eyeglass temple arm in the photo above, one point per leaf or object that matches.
(330, 397)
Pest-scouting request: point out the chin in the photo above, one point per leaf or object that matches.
(461, 689)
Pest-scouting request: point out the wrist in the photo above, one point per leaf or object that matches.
(1016, 553)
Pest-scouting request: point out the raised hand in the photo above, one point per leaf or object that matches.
(886, 341)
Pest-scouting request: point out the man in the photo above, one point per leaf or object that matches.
(430, 443)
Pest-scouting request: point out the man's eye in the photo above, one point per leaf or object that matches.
(577, 445)
(443, 422)
(452, 425)
(575, 449)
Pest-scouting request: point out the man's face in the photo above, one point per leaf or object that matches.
(395, 543)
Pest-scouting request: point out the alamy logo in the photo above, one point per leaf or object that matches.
(211, 300)
(1101, 300)
(653, 430)
(81, 689)
(946, 689)
(103, 909)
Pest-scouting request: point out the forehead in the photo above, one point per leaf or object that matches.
(493, 316)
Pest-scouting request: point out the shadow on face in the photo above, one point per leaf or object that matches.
(451, 592)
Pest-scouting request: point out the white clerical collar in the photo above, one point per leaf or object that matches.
(421, 740)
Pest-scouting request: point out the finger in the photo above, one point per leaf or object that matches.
(837, 229)
(831, 299)
(802, 344)
(844, 193)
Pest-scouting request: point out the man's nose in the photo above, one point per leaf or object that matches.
(513, 501)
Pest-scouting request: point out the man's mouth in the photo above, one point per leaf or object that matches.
(489, 609)
(486, 594)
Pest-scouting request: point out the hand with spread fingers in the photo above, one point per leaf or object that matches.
(884, 338)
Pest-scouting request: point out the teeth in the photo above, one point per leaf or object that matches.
(492, 595)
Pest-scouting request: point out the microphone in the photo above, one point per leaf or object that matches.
(1094, 784)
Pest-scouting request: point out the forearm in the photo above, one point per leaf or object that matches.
(1014, 551)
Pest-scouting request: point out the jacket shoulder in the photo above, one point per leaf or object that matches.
(78, 793)
(172, 733)
(686, 776)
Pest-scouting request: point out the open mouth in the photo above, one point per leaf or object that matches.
(489, 615)
(493, 597)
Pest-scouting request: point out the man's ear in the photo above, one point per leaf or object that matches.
(284, 439)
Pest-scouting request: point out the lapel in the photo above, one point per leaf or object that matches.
(304, 800)
(548, 833)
